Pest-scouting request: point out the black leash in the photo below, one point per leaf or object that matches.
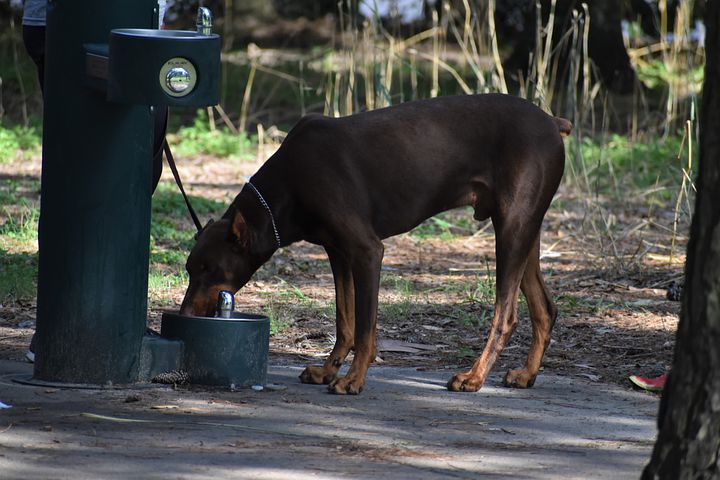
(171, 162)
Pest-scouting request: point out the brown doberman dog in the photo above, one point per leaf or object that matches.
(347, 183)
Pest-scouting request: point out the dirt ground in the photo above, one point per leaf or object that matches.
(606, 261)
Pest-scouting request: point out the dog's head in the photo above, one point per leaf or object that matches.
(222, 259)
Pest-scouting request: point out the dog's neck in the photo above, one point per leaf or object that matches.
(267, 208)
(266, 212)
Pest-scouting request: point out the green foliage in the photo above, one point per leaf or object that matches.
(11, 190)
(18, 275)
(169, 202)
(161, 255)
(18, 237)
(278, 314)
(405, 305)
(573, 304)
(634, 31)
(21, 227)
(447, 225)
(172, 232)
(282, 304)
(160, 281)
(658, 72)
(481, 291)
(17, 142)
(292, 293)
(200, 139)
(619, 164)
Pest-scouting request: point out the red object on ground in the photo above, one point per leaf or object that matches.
(651, 384)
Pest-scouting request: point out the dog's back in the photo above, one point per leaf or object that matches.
(399, 165)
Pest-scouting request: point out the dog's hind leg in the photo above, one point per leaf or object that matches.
(516, 228)
(344, 318)
(542, 315)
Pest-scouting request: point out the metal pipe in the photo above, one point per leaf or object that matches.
(204, 21)
(225, 305)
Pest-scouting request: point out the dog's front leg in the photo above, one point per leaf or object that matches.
(366, 260)
(344, 318)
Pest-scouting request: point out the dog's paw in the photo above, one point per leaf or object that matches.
(317, 375)
(519, 378)
(463, 382)
(346, 386)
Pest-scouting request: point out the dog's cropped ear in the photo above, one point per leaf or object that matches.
(239, 231)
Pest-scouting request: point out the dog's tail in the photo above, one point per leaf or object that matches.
(564, 126)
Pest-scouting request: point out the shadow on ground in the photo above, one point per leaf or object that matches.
(404, 425)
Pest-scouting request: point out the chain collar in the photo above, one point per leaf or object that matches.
(267, 207)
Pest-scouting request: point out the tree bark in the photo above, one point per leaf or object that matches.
(606, 47)
(688, 444)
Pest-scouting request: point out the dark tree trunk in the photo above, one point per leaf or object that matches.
(310, 10)
(688, 444)
(606, 47)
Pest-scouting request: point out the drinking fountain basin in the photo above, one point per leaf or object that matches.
(222, 351)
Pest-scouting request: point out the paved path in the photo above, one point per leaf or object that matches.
(405, 425)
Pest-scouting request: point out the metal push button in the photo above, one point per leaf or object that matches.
(178, 77)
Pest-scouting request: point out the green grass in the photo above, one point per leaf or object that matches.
(172, 231)
(282, 305)
(161, 281)
(478, 290)
(11, 191)
(18, 275)
(292, 293)
(18, 142)
(21, 226)
(481, 290)
(158, 280)
(620, 165)
(405, 305)
(199, 139)
(278, 314)
(568, 304)
(471, 300)
(447, 225)
(18, 237)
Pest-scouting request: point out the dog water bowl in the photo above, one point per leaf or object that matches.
(222, 351)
